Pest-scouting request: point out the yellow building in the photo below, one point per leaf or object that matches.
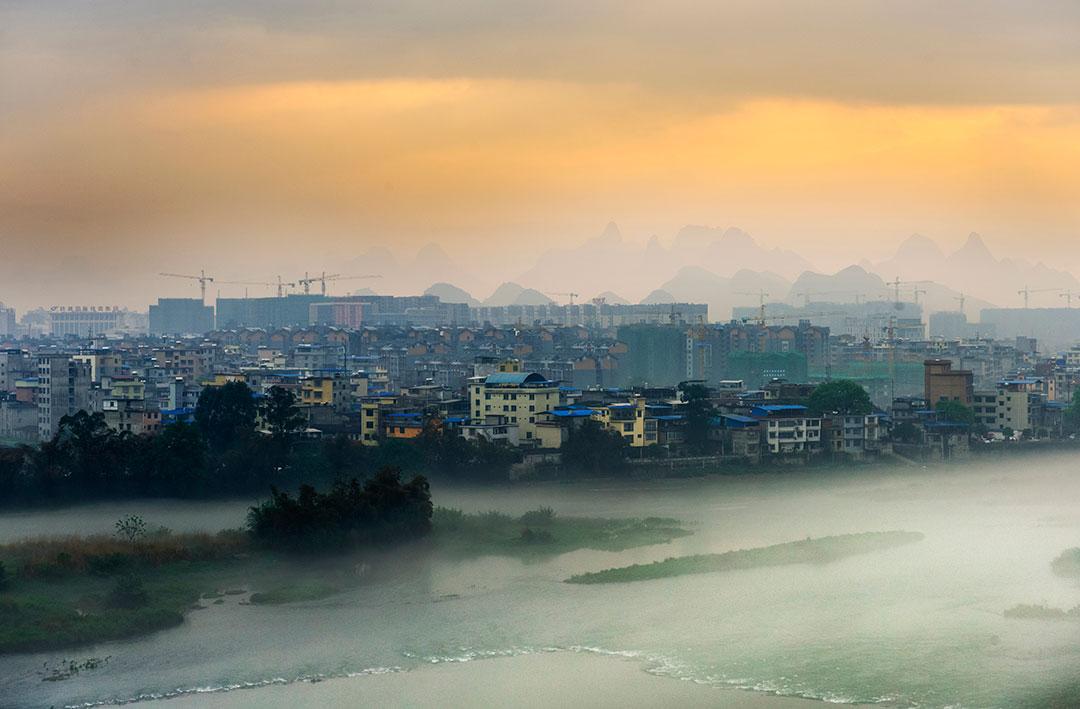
(372, 412)
(325, 390)
(518, 397)
(629, 421)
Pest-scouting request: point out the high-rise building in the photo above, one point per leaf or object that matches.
(63, 389)
(14, 365)
(180, 316)
(7, 321)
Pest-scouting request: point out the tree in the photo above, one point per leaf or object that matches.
(225, 414)
(383, 509)
(906, 432)
(591, 448)
(841, 396)
(699, 413)
(1072, 416)
(955, 412)
(177, 461)
(281, 414)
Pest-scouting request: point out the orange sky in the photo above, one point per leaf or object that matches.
(241, 130)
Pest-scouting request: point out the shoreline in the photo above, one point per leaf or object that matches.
(543, 679)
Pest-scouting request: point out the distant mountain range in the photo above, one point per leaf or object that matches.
(726, 267)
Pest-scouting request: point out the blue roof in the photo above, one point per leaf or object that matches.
(670, 417)
(738, 418)
(571, 413)
(780, 408)
(516, 378)
(404, 415)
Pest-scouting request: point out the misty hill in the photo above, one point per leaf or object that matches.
(658, 296)
(698, 285)
(976, 271)
(513, 294)
(855, 283)
(727, 251)
(723, 252)
(449, 293)
(612, 298)
(848, 285)
(406, 277)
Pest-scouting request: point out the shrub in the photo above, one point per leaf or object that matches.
(128, 593)
(3, 577)
(539, 516)
(131, 528)
(541, 536)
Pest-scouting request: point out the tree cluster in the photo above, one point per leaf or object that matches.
(591, 449)
(237, 444)
(841, 396)
(383, 509)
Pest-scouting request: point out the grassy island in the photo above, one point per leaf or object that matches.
(807, 551)
(543, 533)
(70, 591)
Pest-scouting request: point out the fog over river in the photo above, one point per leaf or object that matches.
(916, 625)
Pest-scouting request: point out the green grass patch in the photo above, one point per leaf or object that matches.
(543, 533)
(69, 591)
(807, 551)
(294, 594)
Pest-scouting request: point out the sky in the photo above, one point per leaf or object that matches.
(261, 137)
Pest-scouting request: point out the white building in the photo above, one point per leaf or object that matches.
(788, 428)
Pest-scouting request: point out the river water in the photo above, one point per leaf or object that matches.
(918, 625)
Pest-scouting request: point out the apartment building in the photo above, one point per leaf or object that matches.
(63, 389)
(520, 397)
(630, 421)
(788, 428)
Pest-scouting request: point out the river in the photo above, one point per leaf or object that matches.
(918, 625)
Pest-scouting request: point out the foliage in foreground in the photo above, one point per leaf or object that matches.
(807, 551)
(62, 592)
(381, 510)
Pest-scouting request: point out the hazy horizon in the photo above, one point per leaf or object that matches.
(234, 135)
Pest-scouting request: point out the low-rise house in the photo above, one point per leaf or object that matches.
(788, 428)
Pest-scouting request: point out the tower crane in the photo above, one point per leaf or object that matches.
(321, 279)
(571, 296)
(1027, 291)
(961, 299)
(1068, 296)
(896, 283)
(762, 295)
(807, 295)
(279, 284)
(793, 316)
(202, 278)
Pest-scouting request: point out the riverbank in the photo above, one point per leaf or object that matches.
(78, 590)
(549, 679)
